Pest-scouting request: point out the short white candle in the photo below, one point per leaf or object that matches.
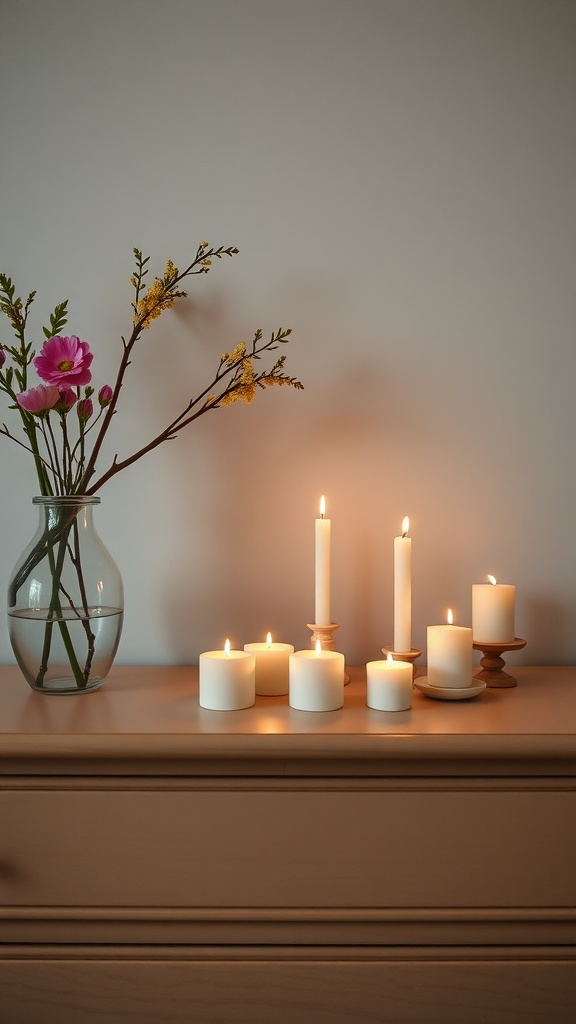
(322, 568)
(389, 685)
(403, 590)
(316, 680)
(272, 677)
(227, 679)
(449, 655)
(493, 612)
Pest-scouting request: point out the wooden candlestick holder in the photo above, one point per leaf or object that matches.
(410, 656)
(324, 635)
(493, 663)
(327, 641)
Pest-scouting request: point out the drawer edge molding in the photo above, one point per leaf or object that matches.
(340, 926)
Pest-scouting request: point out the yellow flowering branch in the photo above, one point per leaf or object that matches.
(235, 379)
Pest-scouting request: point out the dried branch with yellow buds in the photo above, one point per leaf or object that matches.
(64, 364)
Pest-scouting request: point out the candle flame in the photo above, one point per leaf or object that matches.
(492, 580)
(389, 658)
(227, 648)
(405, 525)
(318, 648)
(269, 639)
(322, 506)
(450, 617)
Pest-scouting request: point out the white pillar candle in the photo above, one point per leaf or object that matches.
(403, 590)
(493, 612)
(227, 680)
(272, 677)
(322, 568)
(316, 680)
(449, 655)
(389, 685)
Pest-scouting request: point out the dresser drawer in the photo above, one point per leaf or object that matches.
(277, 847)
(249, 991)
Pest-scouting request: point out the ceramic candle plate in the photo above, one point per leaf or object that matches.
(448, 692)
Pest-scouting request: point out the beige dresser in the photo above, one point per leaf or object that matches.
(164, 863)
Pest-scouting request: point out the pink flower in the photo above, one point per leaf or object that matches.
(39, 399)
(64, 361)
(105, 395)
(2, 357)
(67, 400)
(85, 409)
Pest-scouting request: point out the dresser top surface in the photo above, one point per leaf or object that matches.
(154, 711)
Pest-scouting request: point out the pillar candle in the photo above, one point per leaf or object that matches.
(493, 612)
(227, 679)
(389, 685)
(403, 590)
(272, 677)
(450, 655)
(322, 568)
(316, 680)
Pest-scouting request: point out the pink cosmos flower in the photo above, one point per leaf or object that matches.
(105, 395)
(39, 399)
(64, 361)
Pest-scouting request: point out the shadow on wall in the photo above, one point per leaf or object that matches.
(238, 557)
(247, 508)
(552, 620)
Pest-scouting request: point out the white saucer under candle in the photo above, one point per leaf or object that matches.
(449, 655)
(272, 666)
(227, 680)
(316, 680)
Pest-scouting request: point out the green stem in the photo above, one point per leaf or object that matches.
(44, 546)
(55, 609)
(85, 618)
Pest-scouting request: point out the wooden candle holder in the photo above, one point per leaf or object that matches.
(493, 663)
(410, 656)
(327, 641)
(324, 635)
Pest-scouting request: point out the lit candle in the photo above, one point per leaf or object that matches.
(493, 612)
(271, 666)
(316, 680)
(322, 568)
(389, 685)
(403, 590)
(450, 655)
(227, 679)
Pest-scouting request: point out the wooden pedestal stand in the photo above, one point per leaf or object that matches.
(327, 641)
(492, 663)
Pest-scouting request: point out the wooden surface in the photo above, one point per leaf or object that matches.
(163, 862)
(150, 717)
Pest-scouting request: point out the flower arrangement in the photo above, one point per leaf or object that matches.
(64, 463)
(66, 448)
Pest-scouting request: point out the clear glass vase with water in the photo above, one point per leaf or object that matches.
(65, 600)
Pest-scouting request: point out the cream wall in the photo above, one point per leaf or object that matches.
(399, 178)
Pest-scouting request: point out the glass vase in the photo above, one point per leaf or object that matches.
(65, 601)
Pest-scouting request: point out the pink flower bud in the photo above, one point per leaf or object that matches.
(2, 357)
(85, 409)
(67, 400)
(105, 395)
